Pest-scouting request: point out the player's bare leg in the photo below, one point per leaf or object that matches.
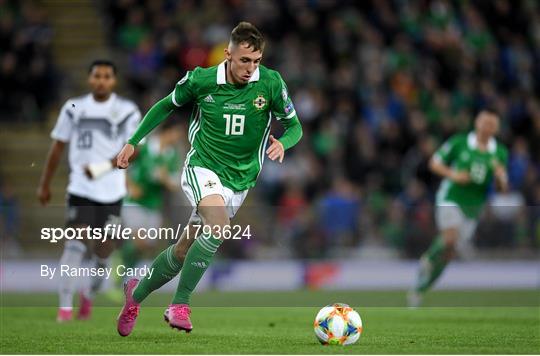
(165, 267)
(198, 258)
(433, 263)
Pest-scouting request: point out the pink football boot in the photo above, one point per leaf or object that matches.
(64, 315)
(130, 311)
(85, 307)
(178, 315)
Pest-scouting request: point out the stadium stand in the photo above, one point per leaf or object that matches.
(378, 86)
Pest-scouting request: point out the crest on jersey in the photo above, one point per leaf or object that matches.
(259, 102)
(284, 94)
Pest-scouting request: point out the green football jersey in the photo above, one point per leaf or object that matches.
(461, 153)
(230, 125)
(145, 169)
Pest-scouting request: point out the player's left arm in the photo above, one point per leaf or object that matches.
(499, 169)
(291, 136)
(283, 109)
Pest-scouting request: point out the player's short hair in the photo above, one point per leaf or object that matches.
(245, 32)
(102, 62)
(490, 110)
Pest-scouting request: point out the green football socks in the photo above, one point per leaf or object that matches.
(433, 263)
(197, 260)
(165, 267)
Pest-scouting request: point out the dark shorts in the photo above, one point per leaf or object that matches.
(83, 211)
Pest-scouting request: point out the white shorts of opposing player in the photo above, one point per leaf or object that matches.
(198, 182)
(451, 216)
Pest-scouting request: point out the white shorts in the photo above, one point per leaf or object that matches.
(451, 216)
(198, 182)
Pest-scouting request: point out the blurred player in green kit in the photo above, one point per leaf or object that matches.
(153, 173)
(468, 164)
(229, 132)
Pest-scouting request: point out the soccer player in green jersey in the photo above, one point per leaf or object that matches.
(228, 132)
(154, 172)
(468, 163)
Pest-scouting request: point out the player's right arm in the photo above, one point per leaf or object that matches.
(53, 158)
(183, 93)
(499, 169)
(441, 160)
(61, 134)
(157, 113)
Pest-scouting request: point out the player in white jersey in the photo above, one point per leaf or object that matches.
(95, 126)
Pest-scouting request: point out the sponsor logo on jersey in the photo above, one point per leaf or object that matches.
(209, 99)
(259, 102)
(230, 106)
(210, 184)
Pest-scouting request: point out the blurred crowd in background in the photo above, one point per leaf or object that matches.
(378, 86)
(28, 78)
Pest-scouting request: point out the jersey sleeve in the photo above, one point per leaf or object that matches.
(282, 106)
(64, 125)
(157, 113)
(447, 152)
(185, 90)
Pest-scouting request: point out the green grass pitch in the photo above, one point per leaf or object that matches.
(462, 322)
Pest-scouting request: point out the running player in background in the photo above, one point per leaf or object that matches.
(468, 163)
(228, 132)
(95, 126)
(154, 172)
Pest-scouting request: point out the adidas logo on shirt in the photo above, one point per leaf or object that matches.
(209, 99)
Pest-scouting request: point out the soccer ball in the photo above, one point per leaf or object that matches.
(337, 324)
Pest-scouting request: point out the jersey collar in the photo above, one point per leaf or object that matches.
(111, 99)
(221, 79)
(472, 142)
